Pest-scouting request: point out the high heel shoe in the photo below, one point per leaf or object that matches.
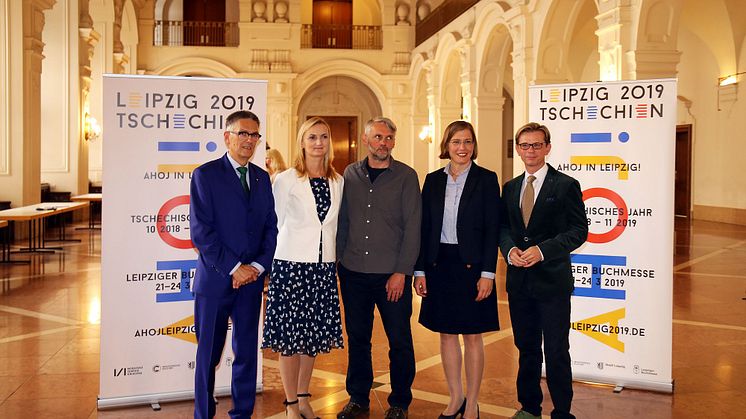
(288, 404)
(460, 412)
(306, 395)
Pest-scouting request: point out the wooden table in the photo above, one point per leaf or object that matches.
(35, 215)
(5, 244)
(95, 202)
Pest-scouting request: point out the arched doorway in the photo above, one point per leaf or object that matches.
(346, 104)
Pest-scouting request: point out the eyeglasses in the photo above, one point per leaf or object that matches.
(526, 146)
(245, 135)
(457, 143)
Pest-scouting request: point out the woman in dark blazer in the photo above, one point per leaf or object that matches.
(455, 271)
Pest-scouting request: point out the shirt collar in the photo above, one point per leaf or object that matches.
(447, 169)
(235, 163)
(365, 164)
(539, 174)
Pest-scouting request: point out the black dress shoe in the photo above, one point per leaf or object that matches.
(352, 410)
(394, 412)
(459, 412)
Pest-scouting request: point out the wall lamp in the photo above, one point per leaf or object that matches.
(728, 90)
(426, 134)
(91, 128)
(729, 79)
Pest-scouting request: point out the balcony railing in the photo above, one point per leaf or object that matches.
(341, 37)
(440, 17)
(208, 34)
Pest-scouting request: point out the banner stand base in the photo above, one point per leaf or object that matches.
(620, 384)
(155, 400)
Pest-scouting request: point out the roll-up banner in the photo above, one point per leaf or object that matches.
(157, 130)
(618, 140)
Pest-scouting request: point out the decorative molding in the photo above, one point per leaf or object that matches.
(401, 63)
(120, 62)
(260, 8)
(84, 17)
(117, 41)
(402, 14)
(88, 40)
(281, 12)
(281, 62)
(194, 65)
(259, 61)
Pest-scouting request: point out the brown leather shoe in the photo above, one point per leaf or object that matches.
(352, 410)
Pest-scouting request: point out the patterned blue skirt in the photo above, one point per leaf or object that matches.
(302, 309)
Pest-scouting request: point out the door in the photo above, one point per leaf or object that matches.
(683, 177)
(683, 190)
(204, 22)
(332, 24)
(344, 140)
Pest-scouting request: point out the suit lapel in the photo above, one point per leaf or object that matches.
(547, 189)
(254, 183)
(438, 198)
(513, 201)
(234, 182)
(469, 186)
(334, 191)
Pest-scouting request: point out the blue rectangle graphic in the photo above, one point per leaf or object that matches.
(178, 146)
(590, 137)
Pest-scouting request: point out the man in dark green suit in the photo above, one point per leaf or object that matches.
(544, 220)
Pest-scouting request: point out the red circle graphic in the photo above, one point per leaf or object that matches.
(621, 223)
(163, 232)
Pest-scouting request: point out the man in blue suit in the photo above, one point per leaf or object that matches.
(234, 227)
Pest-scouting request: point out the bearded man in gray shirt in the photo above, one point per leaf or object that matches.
(378, 240)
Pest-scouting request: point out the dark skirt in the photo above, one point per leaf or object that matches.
(450, 305)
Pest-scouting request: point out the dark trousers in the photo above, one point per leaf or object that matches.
(361, 293)
(534, 319)
(211, 325)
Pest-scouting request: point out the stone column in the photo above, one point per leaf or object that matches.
(280, 116)
(399, 109)
(433, 101)
(615, 37)
(521, 29)
(637, 41)
(87, 40)
(120, 57)
(488, 123)
(468, 78)
(33, 47)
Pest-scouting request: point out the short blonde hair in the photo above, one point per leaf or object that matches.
(276, 162)
(450, 131)
(531, 127)
(300, 159)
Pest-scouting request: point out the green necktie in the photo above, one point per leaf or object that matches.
(245, 185)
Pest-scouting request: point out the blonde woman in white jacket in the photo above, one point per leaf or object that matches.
(303, 317)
